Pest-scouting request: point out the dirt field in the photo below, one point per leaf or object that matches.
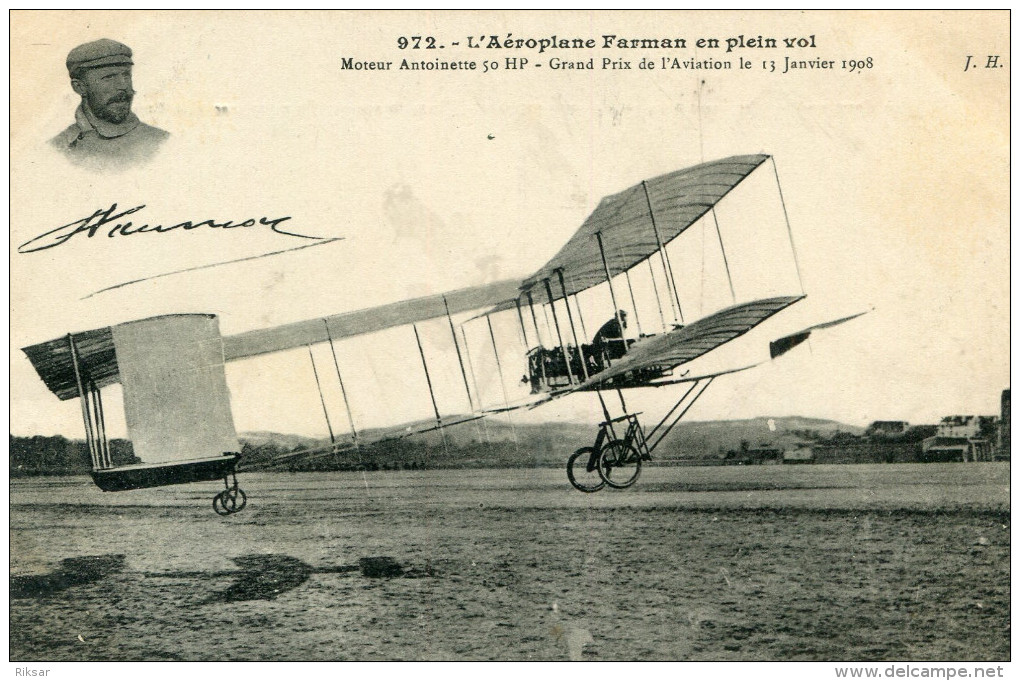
(866, 562)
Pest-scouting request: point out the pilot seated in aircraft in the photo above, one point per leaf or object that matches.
(609, 343)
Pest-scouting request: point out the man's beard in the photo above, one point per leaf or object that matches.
(115, 109)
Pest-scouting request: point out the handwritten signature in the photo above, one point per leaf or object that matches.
(112, 223)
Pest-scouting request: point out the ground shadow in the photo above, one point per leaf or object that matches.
(263, 577)
(259, 577)
(72, 572)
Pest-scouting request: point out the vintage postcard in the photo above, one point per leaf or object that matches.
(498, 335)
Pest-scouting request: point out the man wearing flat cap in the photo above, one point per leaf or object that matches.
(105, 129)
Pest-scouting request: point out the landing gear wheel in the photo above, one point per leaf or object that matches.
(583, 472)
(230, 501)
(619, 464)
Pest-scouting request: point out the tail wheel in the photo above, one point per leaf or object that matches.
(583, 471)
(619, 464)
(229, 501)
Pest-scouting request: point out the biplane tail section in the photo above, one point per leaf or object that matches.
(96, 358)
(175, 389)
(176, 402)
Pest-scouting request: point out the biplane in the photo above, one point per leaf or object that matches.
(172, 368)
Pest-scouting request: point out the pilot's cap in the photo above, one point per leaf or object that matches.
(102, 52)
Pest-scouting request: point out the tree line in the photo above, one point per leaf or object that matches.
(56, 455)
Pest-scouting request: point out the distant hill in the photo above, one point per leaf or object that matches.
(692, 439)
(496, 442)
(282, 440)
(711, 439)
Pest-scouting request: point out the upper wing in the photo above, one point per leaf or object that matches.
(97, 351)
(694, 340)
(675, 201)
(359, 322)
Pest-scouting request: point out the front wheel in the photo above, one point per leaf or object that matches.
(583, 472)
(619, 464)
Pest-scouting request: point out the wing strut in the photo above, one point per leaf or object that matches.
(580, 317)
(343, 390)
(655, 288)
(534, 320)
(633, 302)
(520, 318)
(460, 360)
(428, 379)
(726, 262)
(789, 230)
(325, 412)
(630, 288)
(474, 380)
(502, 383)
(559, 336)
(97, 409)
(86, 414)
(609, 280)
(548, 326)
(667, 266)
(573, 330)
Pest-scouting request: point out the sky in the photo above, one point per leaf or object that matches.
(895, 179)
